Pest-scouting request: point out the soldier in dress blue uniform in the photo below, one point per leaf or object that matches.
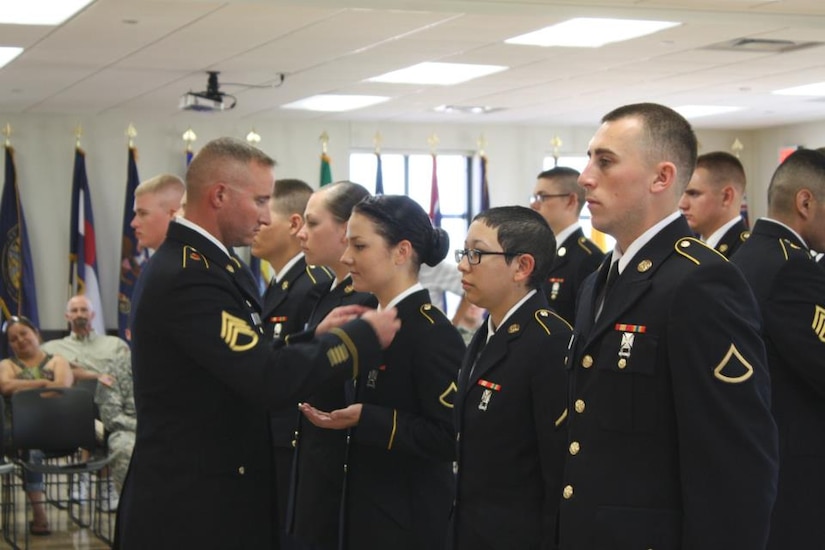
(510, 408)
(398, 473)
(671, 439)
(287, 304)
(558, 197)
(790, 289)
(205, 375)
(317, 485)
(712, 202)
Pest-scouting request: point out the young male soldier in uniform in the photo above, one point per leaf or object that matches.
(790, 289)
(672, 442)
(559, 199)
(712, 202)
(287, 305)
(205, 375)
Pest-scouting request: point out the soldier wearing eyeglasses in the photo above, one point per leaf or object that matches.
(510, 407)
(559, 199)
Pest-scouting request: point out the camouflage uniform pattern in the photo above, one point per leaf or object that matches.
(117, 411)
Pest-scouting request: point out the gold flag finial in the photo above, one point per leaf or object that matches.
(556, 142)
(131, 133)
(324, 139)
(7, 133)
(433, 141)
(737, 147)
(189, 137)
(377, 141)
(253, 137)
(78, 133)
(481, 142)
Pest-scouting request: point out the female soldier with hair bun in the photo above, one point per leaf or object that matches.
(398, 486)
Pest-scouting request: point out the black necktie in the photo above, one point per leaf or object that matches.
(612, 276)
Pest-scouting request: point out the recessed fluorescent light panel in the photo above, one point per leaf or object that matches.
(332, 103)
(39, 12)
(696, 111)
(590, 32)
(444, 74)
(8, 53)
(817, 89)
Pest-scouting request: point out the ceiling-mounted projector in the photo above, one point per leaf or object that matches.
(212, 99)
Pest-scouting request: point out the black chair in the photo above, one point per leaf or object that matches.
(59, 421)
(8, 489)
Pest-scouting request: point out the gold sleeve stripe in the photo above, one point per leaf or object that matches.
(784, 250)
(561, 419)
(350, 346)
(394, 426)
(311, 276)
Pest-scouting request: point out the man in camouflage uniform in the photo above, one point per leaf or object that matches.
(116, 402)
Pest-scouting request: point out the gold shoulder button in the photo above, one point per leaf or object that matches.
(744, 236)
(694, 250)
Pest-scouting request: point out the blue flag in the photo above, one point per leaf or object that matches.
(131, 258)
(485, 188)
(82, 247)
(17, 293)
(379, 176)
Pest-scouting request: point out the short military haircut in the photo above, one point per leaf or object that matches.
(523, 230)
(160, 184)
(291, 196)
(723, 169)
(225, 160)
(668, 136)
(803, 169)
(340, 197)
(567, 180)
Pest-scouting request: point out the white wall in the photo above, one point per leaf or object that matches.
(44, 148)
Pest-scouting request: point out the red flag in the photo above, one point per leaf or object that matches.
(435, 207)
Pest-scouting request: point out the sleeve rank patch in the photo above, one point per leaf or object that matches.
(237, 333)
(450, 391)
(337, 355)
(819, 323)
(733, 369)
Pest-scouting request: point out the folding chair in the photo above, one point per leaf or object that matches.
(8, 490)
(59, 421)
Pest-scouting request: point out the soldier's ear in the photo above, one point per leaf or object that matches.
(296, 222)
(525, 265)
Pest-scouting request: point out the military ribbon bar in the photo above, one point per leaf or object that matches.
(489, 385)
(280, 319)
(622, 327)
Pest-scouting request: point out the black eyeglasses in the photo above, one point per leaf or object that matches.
(474, 255)
(541, 197)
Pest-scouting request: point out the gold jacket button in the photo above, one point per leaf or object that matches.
(241, 470)
(587, 361)
(575, 448)
(579, 405)
(568, 492)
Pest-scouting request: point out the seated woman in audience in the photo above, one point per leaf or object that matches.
(29, 368)
(316, 482)
(398, 471)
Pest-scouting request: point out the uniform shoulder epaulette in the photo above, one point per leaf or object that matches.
(430, 312)
(315, 272)
(744, 235)
(551, 321)
(587, 246)
(191, 257)
(697, 251)
(791, 250)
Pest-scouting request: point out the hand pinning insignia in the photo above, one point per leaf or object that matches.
(733, 369)
(237, 333)
(818, 324)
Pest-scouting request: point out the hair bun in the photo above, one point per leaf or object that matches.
(439, 245)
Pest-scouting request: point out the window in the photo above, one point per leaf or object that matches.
(605, 242)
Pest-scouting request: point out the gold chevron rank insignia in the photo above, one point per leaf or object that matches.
(819, 323)
(237, 333)
(446, 397)
(733, 368)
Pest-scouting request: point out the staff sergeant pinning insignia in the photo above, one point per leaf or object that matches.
(819, 323)
(451, 390)
(731, 372)
(235, 330)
